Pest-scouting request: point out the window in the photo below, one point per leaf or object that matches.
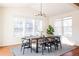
(38, 27)
(27, 26)
(33, 27)
(67, 26)
(58, 27)
(18, 27)
(63, 26)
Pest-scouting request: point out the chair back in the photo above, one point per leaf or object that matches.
(25, 39)
(57, 39)
(45, 40)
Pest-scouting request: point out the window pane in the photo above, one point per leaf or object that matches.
(58, 27)
(67, 26)
(63, 26)
(33, 27)
(29, 26)
(67, 29)
(18, 27)
(67, 22)
(38, 27)
(58, 30)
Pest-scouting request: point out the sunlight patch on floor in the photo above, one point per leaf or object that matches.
(66, 41)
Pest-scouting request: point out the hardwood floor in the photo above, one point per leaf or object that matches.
(74, 52)
(5, 51)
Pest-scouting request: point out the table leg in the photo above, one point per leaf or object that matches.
(37, 46)
(29, 43)
(60, 43)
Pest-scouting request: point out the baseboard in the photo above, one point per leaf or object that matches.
(9, 45)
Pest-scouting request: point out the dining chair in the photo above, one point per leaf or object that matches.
(57, 39)
(56, 42)
(25, 44)
(45, 44)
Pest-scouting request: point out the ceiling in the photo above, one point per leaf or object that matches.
(51, 9)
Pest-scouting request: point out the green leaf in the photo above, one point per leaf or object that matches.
(50, 30)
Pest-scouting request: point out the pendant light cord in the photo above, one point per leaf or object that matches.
(41, 8)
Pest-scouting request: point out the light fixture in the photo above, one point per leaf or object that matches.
(41, 13)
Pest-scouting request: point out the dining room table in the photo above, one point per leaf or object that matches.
(38, 38)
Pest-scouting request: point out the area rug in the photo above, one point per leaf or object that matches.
(65, 48)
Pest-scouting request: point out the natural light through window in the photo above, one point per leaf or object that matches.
(67, 26)
(63, 27)
(27, 26)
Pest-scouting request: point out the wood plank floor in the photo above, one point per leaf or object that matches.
(5, 51)
(74, 52)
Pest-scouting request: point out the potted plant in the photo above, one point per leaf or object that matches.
(50, 30)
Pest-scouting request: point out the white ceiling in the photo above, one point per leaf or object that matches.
(51, 9)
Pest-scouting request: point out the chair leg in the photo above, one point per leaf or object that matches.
(42, 50)
(60, 45)
(21, 47)
(31, 49)
(23, 50)
(55, 47)
(48, 49)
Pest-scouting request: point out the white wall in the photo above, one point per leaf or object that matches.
(1, 26)
(75, 23)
